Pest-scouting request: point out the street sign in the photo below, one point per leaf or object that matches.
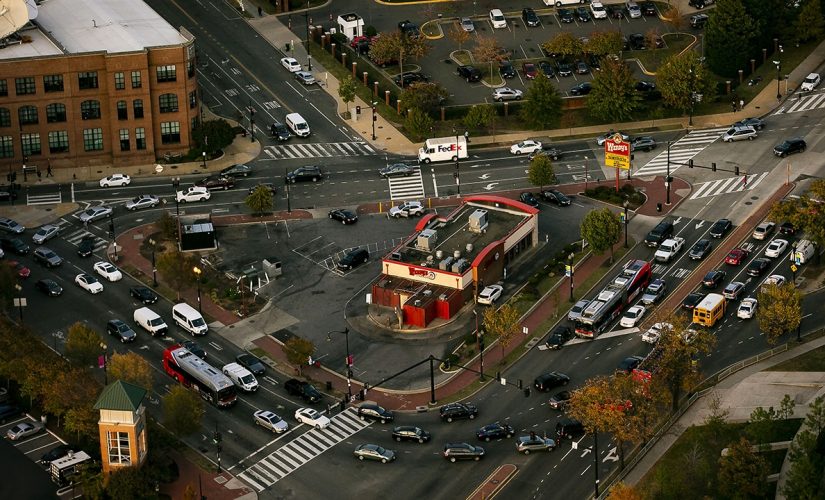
(797, 258)
(793, 268)
(617, 153)
(567, 270)
(621, 217)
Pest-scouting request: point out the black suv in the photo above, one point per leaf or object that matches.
(529, 17)
(374, 412)
(279, 131)
(410, 433)
(143, 294)
(658, 234)
(86, 246)
(557, 197)
(354, 259)
(469, 73)
(15, 245)
(462, 451)
(789, 147)
(409, 28)
(409, 77)
(310, 173)
(550, 380)
(495, 431)
(120, 330)
(568, 428)
(560, 335)
(720, 227)
(506, 69)
(304, 389)
(453, 411)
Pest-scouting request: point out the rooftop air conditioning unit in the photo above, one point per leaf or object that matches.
(427, 293)
(469, 248)
(479, 221)
(445, 264)
(427, 240)
(457, 254)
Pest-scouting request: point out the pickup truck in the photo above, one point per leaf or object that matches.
(669, 249)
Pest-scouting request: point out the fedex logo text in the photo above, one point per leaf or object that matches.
(450, 147)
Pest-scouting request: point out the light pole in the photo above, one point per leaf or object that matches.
(345, 333)
(570, 267)
(175, 186)
(309, 57)
(667, 179)
(480, 339)
(19, 301)
(626, 203)
(374, 103)
(252, 118)
(204, 159)
(112, 230)
(778, 76)
(692, 99)
(154, 269)
(198, 272)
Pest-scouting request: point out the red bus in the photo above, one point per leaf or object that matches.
(198, 375)
(612, 300)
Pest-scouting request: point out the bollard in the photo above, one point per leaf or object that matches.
(332, 49)
(727, 87)
(506, 109)
(741, 76)
(354, 68)
(442, 113)
(387, 97)
(398, 106)
(753, 65)
(365, 78)
(764, 56)
(343, 58)
(375, 89)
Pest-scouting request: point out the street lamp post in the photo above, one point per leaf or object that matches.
(154, 268)
(572, 271)
(374, 103)
(175, 186)
(198, 272)
(345, 333)
(480, 340)
(778, 77)
(626, 203)
(204, 159)
(667, 179)
(309, 57)
(20, 301)
(692, 98)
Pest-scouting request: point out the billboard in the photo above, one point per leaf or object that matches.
(617, 152)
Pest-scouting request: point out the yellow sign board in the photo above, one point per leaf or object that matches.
(617, 153)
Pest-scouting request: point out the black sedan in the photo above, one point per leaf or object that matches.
(637, 41)
(49, 287)
(239, 170)
(582, 14)
(530, 18)
(15, 245)
(214, 182)
(86, 247)
(301, 174)
(55, 453)
(272, 188)
(713, 279)
(547, 69)
(645, 86)
(582, 88)
(565, 15)
(397, 170)
(700, 249)
(560, 335)
(251, 363)
(143, 294)
(343, 216)
(529, 199)
(720, 228)
(121, 330)
(495, 431)
(692, 300)
(410, 433)
(757, 267)
(556, 196)
(407, 78)
(559, 400)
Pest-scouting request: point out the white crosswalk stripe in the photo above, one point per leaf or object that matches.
(725, 186)
(804, 103)
(319, 150)
(680, 152)
(407, 188)
(44, 199)
(296, 453)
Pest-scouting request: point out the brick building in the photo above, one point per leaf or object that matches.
(94, 83)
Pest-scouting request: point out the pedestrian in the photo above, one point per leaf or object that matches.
(49, 171)
(741, 104)
(260, 12)
(733, 106)
(38, 175)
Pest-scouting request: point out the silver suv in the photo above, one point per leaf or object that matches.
(506, 94)
(534, 442)
(739, 133)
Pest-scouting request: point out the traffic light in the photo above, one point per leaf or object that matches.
(216, 438)
(690, 163)
(713, 166)
(526, 392)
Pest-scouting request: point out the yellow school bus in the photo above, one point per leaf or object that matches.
(710, 310)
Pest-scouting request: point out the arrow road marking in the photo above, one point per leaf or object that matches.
(700, 224)
(485, 177)
(490, 186)
(612, 456)
(678, 220)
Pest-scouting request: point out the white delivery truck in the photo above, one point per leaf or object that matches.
(443, 149)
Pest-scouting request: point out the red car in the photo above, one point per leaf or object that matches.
(361, 39)
(21, 270)
(530, 71)
(736, 256)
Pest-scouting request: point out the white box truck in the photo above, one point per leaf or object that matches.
(443, 149)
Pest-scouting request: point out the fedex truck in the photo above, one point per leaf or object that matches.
(443, 149)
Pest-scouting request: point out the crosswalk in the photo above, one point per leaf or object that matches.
(407, 188)
(301, 450)
(319, 150)
(44, 199)
(803, 103)
(724, 186)
(680, 152)
(74, 235)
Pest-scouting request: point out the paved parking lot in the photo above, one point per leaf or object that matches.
(24, 477)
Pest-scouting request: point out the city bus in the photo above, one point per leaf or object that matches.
(198, 375)
(613, 299)
(710, 310)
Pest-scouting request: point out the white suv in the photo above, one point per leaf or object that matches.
(497, 19)
(810, 82)
(193, 193)
(598, 10)
(407, 209)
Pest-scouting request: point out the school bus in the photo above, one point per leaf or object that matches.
(710, 310)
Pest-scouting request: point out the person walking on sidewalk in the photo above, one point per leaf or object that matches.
(741, 104)
(49, 171)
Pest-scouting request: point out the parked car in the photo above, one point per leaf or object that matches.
(582, 88)
(19, 269)
(271, 421)
(214, 182)
(528, 199)
(305, 77)
(467, 24)
(291, 64)
(698, 21)
(789, 147)
(410, 433)
(565, 15)
(94, 213)
(583, 14)
(598, 11)
(305, 390)
(564, 68)
(142, 201)
(354, 258)
(645, 86)
(121, 330)
(55, 453)
(649, 8)
(374, 452)
(633, 10)
(495, 430)
(556, 196)
(615, 11)
(308, 173)
(454, 411)
(529, 70)
(343, 216)
(560, 335)
(374, 412)
(560, 400)
(506, 69)
(581, 68)
(407, 78)
(637, 41)
(550, 380)
(529, 17)
(507, 94)
(547, 69)
(24, 430)
(490, 294)
(237, 170)
(469, 73)
(407, 209)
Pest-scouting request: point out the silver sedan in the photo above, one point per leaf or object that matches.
(374, 452)
(95, 213)
(142, 201)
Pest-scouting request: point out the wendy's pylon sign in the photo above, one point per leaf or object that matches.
(617, 153)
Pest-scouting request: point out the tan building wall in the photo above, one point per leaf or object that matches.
(118, 437)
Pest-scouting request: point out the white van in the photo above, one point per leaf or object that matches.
(803, 252)
(150, 321)
(241, 377)
(188, 318)
(297, 124)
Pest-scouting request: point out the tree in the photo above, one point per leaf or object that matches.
(716, 421)
(810, 25)
(564, 44)
(680, 78)
(805, 213)
(347, 89)
(780, 310)
(602, 43)
(418, 123)
(458, 35)
(544, 108)
(176, 268)
(541, 171)
(770, 16)
(126, 483)
(83, 345)
(132, 368)
(622, 491)
(260, 200)
(71, 395)
(675, 18)
(168, 225)
(487, 50)
(8, 280)
(502, 324)
(424, 96)
(298, 352)
(760, 424)
(480, 116)
(397, 46)
(212, 135)
(601, 228)
(182, 411)
(742, 472)
(729, 37)
(805, 473)
(613, 96)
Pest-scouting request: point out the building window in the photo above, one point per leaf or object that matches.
(6, 147)
(4, 88)
(24, 86)
(170, 132)
(118, 445)
(87, 80)
(124, 139)
(122, 113)
(27, 115)
(30, 144)
(120, 81)
(55, 113)
(5, 117)
(168, 103)
(90, 110)
(136, 84)
(167, 74)
(53, 83)
(190, 68)
(59, 141)
(140, 138)
(137, 105)
(193, 99)
(93, 139)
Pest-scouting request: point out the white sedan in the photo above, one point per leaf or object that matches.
(655, 333)
(528, 146)
(291, 64)
(632, 316)
(490, 294)
(115, 180)
(108, 271)
(88, 283)
(774, 279)
(747, 308)
(312, 418)
(776, 248)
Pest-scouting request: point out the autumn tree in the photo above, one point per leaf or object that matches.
(132, 368)
(418, 123)
(743, 472)
(601, 228)
(674, 17)
(298, 352)
(805, 213)
(729, 36)
(126, 483)
(502, 324)
(602, 43)
(8, 280)
(424, 96)
(458, 35)
(479, 116)
(544, 108)
(681, 77)
(182, 411)
(83, 345)
(347, 89)
(780, 310)
(564, 44)
(622, 491)
(167, 224)
(260, 200)
(613, 96)
(397, 46)
(487, 50)
(71, 396)
(541, 172)
(176, 268)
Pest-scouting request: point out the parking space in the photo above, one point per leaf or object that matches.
(31, 438)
